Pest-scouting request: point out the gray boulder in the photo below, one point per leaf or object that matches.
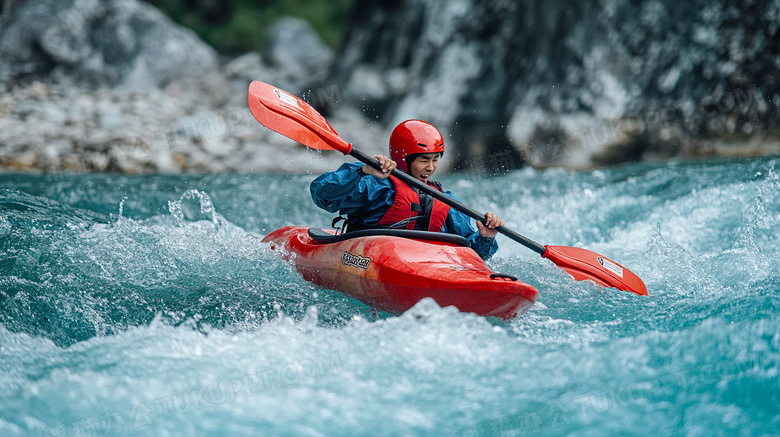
(295, 49)
(89, 86)
(97, 43)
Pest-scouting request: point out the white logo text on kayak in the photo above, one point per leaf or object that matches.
(609, 265)
(358, 261)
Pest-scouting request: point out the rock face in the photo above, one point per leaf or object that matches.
(571, 83)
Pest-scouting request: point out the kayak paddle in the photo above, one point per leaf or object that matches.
(292, 117)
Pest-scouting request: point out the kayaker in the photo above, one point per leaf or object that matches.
(373, 199)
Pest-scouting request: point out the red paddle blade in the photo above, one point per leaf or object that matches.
(584, 264)
(292, 117)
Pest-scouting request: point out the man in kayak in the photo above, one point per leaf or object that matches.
(374, 199)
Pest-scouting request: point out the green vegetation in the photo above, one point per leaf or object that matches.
(238, 26)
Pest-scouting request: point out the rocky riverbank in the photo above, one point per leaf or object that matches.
(114, 85)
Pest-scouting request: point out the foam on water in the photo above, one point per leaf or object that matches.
(148, 306)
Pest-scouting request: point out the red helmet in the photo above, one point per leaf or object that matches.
(413, 137)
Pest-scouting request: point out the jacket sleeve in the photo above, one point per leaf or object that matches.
(346, 192)
(460, 224)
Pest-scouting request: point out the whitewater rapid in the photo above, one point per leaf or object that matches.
(148, 306)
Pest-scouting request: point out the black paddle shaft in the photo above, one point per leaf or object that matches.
(527, 242)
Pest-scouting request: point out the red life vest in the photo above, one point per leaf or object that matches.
(407, 204)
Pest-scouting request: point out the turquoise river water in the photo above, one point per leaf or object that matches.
(147, 305)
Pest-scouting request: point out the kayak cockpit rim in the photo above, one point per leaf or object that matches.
(324, 237)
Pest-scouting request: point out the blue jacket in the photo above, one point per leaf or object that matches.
(346, 192)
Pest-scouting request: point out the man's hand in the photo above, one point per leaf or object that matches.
(492, 221)
(387, 164)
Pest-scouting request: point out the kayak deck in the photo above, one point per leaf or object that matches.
(392, 273)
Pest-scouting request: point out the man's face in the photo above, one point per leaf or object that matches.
(423, 166)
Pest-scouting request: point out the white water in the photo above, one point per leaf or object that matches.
(170, 318)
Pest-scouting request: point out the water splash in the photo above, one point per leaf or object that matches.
(181, 210)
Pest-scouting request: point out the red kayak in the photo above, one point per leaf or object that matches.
(393, 269)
